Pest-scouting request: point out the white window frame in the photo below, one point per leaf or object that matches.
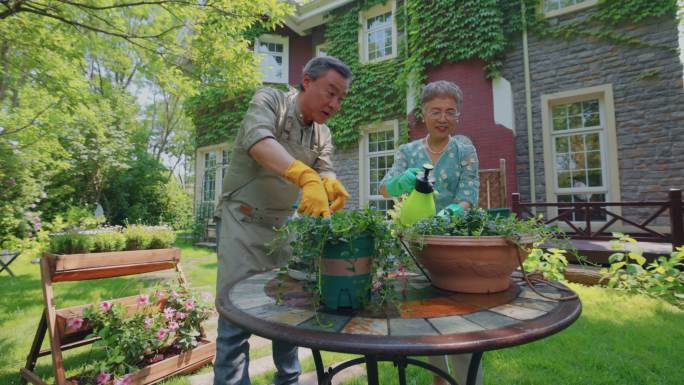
(608, 136)
(321, 47)
(199, 172)
(364, 158)
(390, 6)
(565, 10)
(277, 39)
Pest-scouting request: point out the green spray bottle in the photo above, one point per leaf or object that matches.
(421, 202)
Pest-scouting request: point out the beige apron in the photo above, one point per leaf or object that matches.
(257, 201)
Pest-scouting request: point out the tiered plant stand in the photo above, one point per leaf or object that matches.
(79, 267)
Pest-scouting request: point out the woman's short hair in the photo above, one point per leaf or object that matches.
(442, 88)
(318, 66)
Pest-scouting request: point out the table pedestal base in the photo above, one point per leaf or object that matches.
(371, 361)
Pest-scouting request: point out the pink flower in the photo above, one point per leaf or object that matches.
(162, 334)
(173, 326)
(143, 299)
(125, 380)
(189, 304)
(159, 294)
(103, 377)
(148, 322)
(180, 315)
(106, 305)
(74, 323)
(174, 294)
(168, 313)
(157, 358)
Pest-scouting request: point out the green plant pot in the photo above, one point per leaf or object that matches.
(345, 273)
(499, 212)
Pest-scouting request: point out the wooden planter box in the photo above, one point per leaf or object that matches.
(185, 362)
(78, 267)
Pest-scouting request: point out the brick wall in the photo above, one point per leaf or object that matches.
(492, 141)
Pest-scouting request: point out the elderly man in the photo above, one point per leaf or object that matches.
(282, 147)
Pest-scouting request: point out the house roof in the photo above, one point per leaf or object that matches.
(309, 14)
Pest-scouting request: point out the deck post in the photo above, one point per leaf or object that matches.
(676, 222)
(515, 206)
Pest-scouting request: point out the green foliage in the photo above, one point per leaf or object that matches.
(148, 237)
(145, 193)
(602, 22)
(477, 222)
(134, 237)
(164, 323)
(376, 93)
(663, 278)
(551, 264)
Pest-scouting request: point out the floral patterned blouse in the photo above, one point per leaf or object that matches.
(455, 173)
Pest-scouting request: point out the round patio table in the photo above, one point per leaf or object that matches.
(424, 320)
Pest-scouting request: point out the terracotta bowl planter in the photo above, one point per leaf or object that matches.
(471, 264)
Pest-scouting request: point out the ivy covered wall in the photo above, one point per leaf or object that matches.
(436, 32)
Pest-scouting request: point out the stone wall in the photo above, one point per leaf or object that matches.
(649, 110)
(346, 164)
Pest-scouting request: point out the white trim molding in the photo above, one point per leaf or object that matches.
(221, 163)
(364, 158)
(608, 141)
(285, 54)
(377, 10)
(568, 9)
(502, 93)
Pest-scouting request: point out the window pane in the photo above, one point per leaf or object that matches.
(563, 179)
(575, 109)
(594, 159)
(591, 120)
(560, 124)
(575, 121)
(592, 141)
(578, 161)
(562, 144)
(562, 162)
(595, 178)
(579, 179)
(576, 144)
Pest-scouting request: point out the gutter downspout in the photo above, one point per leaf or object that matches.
(528, 104)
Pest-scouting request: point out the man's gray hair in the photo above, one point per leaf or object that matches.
(442, 88)
(318, 66)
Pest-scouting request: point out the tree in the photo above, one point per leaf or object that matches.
(69, 71)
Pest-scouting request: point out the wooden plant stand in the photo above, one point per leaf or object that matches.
(79, 267)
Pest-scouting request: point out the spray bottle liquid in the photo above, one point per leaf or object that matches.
(421, 202)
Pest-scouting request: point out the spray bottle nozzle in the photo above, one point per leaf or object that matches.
(423, 183)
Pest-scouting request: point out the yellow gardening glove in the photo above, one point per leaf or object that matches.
(337, 194)
(314, 200)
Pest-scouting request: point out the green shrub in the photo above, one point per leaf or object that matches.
(108, 241)
(134, 237)
(663, 278)
(71, 243)
(140, 237)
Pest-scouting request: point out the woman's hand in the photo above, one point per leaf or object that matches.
(402, 184)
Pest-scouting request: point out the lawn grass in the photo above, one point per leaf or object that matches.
(619, 339)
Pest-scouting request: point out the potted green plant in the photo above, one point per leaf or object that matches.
(475, 252)
(342, 257)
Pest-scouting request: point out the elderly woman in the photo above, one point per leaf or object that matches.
(456, 179)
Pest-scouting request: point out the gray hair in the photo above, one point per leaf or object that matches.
(442, 88)
(318, 66)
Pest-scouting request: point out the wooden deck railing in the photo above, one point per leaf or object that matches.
(601, 231)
